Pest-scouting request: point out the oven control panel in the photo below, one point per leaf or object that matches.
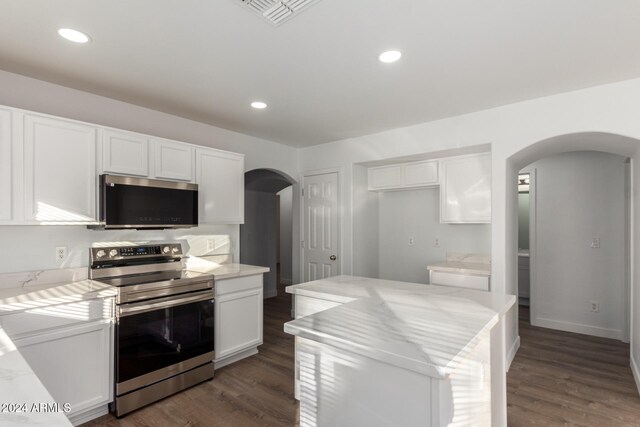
(169, 250)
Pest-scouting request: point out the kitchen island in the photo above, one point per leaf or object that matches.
(378, 352)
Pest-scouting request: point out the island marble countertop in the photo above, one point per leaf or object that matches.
(223, 271)
(425, 328)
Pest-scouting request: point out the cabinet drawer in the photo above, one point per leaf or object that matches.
(40, 319)
(306, 306)
(468, 281)
(237, 284)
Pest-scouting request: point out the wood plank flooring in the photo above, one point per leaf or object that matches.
(565, 379)
(556, 379)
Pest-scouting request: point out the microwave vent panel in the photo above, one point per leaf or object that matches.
(277, 11)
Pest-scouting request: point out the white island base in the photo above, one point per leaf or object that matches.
(372, 352)
(340, 388)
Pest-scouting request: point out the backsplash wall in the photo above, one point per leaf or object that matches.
(27, 248)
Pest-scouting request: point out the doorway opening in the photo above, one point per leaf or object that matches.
(576, 326)
(266, 237)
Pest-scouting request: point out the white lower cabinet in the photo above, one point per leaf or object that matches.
(73, 358)
(459, 280)
(238, 318)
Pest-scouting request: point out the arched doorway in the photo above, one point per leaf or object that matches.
(267, 234)
(590, 145)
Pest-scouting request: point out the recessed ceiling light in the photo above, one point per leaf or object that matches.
(259, 105)
(73, 35)
(390, 56)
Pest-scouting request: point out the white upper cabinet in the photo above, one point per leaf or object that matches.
(172, 160)
(220, 179)
(465, 189)
(59, 158)
(385, 177)
(403, 176)
(419, 174)
(125, 153)
(6, 170)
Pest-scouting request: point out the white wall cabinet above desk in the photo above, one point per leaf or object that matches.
(465, 189)
(125, 153)
(220, 179)
(403, 176)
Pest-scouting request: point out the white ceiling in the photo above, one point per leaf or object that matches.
(208, 59)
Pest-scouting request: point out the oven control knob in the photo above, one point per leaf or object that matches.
(113, 252)
(100, 253)
(166, 250)
(175, 250)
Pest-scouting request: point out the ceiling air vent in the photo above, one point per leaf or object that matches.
(276, 11)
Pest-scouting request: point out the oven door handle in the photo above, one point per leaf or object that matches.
(145, 306)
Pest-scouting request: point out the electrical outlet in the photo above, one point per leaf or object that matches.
(595, 243)
(61, 253)
(595, 306)
(412, 241)
(211, 245)
(436, 243)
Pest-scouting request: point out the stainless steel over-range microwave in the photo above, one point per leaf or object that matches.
(140, 203)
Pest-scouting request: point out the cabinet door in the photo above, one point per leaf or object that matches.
(59, 171)
(238, 322)
(465, 190)
(74, 364)
(6, 169)
(220, 179)
(420, 174)
(173, 160)
(385, 177)
(125, 153)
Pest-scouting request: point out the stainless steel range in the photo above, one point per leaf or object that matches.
(164, 322)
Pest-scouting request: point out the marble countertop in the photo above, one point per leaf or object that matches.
(461, 267)
(223, 271)
(15, 300)
(425, 328)
(463, 263)
(19, 385)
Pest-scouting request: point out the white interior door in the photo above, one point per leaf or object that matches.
(321, 233)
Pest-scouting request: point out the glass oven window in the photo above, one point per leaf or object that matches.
(150, 341)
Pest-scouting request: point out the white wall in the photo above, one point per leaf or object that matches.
(519, 134)
(31, 247)
(258, 236)
(580, 196)
(286, 236)
(416, 214)
(365, 226)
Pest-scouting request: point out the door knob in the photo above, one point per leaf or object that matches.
(333, 257)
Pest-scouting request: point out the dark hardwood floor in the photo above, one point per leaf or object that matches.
(566, 379)
(556, 379)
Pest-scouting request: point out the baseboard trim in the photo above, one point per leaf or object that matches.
(577, 328)
(219, 363)
(511, 354)
(272, 293)
(635, 371)
(88, 415)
